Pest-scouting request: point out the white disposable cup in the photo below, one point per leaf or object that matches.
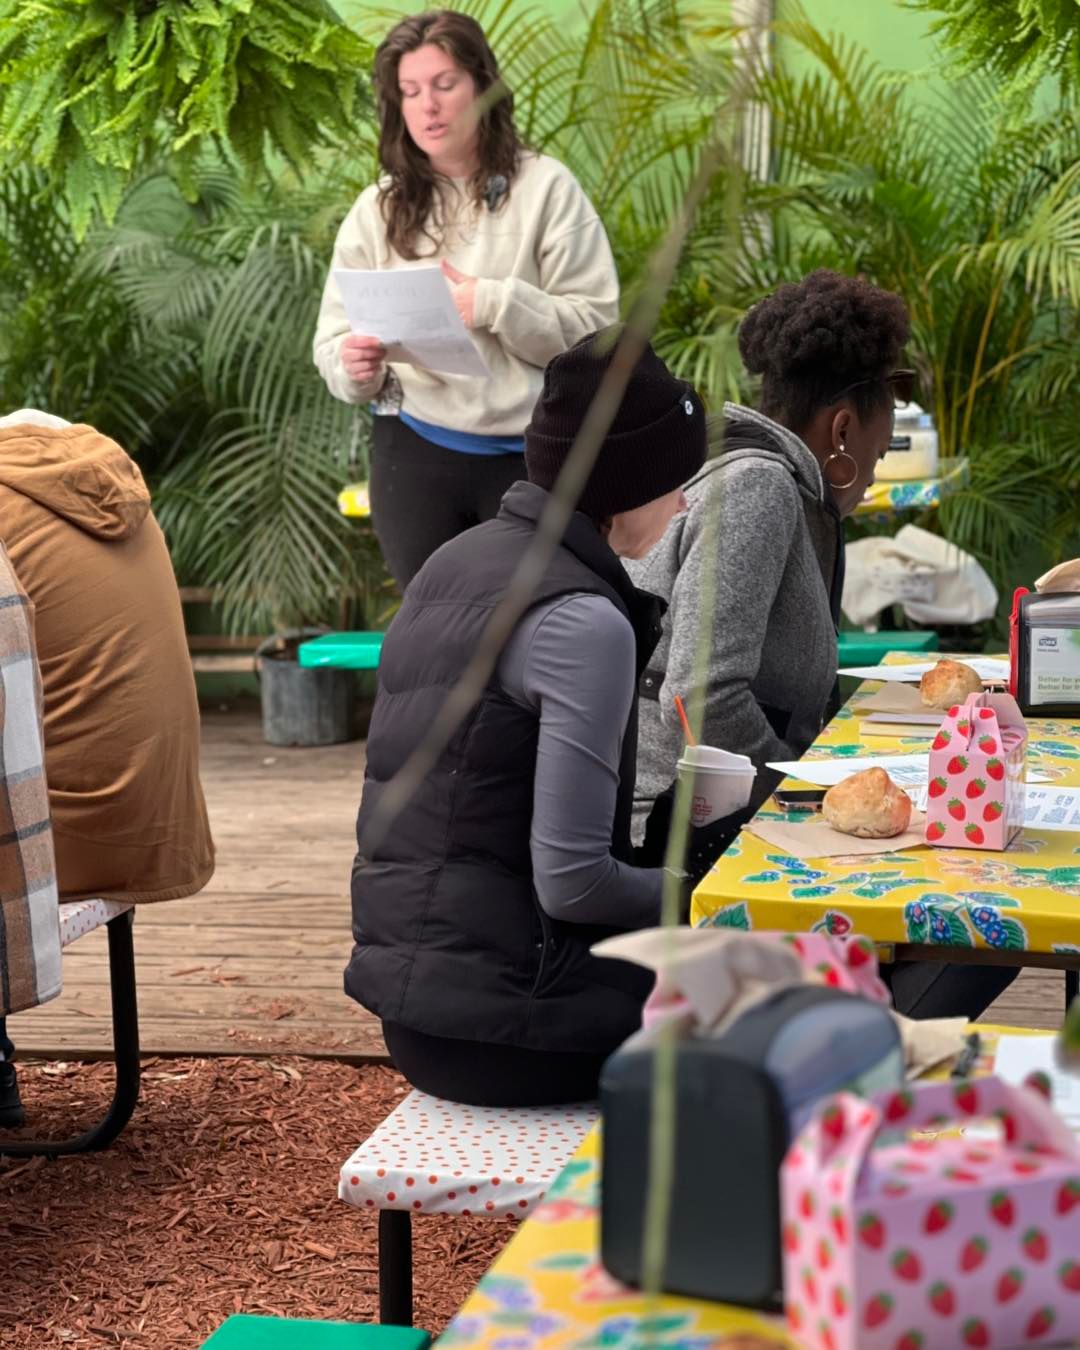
(709, 757)
(715, 791)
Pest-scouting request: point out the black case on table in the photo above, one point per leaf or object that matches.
(731, 1134)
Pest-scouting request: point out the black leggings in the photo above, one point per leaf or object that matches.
(480, 1074)
(423, 495)
(7, 1050)
(923, 989)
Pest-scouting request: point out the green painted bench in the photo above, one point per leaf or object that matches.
(246, 1332)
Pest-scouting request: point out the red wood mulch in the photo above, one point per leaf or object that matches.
(219, 1197)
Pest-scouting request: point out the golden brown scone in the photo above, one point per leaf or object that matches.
(948, 684)
(869, 805)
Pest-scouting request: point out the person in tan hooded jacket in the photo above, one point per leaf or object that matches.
(121, 717)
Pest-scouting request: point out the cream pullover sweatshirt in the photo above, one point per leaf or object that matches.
(546, 279)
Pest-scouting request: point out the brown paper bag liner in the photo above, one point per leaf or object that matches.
(895, 698)
(814, 839)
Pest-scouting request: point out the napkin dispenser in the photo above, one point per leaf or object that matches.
(1044, 653)
(741, 1097)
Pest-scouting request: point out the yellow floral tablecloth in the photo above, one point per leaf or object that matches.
(1024, 899)
(548, 1289)
(885, 500)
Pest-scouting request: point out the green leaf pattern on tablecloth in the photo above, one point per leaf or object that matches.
(732, 916)
(1058, 749)
(563, 1261)
(573, 1182)
(990, 898)
(875, 890)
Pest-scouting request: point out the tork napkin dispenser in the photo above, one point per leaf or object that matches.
(1044, 652)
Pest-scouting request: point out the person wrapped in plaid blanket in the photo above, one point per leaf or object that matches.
(29, 914)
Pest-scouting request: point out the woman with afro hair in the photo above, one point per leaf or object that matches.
(766, 572)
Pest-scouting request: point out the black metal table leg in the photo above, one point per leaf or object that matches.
(125, 1020)
(1072, 987)
(395, 1268)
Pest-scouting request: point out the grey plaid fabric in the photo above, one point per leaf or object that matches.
(29, 915)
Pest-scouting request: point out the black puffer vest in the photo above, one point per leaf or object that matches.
(450, 938)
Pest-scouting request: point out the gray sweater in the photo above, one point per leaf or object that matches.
(756, 583)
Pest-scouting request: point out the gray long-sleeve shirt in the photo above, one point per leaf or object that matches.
(571, 660)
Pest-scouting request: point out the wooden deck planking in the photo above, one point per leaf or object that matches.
(254, 964)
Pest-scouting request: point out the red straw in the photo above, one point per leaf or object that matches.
(685, 721)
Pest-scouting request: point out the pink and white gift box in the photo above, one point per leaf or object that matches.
(975, 797)
(932, 1241)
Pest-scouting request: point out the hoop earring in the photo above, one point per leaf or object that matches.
(850, 482)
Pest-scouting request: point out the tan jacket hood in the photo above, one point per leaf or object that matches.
(77, 473)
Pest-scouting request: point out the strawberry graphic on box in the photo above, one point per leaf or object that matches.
(968, 1251)
(976, 1332)
(977, 762)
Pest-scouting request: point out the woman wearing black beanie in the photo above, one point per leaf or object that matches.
(474, 913)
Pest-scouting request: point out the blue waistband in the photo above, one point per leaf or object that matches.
(467, 442)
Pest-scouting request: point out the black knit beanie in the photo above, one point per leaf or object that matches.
(655, 444)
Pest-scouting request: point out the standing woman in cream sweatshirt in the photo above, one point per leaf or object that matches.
(527, 260)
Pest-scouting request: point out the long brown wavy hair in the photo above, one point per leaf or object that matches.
(410, 198)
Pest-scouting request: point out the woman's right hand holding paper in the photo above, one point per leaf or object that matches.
(364, 358)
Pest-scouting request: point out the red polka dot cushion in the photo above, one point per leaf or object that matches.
(437, 1157)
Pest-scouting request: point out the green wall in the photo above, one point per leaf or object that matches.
(895, 37)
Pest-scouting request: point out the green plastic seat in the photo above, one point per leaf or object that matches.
(343, 651)
(246, 1332)
(867, 649)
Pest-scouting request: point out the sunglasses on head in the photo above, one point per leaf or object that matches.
(902, 383)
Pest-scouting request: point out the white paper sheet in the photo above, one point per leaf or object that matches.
(1052, 809)
(905, 770)
(411, 311)
(1017, 1056)
(987, 667)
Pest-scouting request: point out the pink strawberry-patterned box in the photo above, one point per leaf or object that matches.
(902, 1233)
(975, 796)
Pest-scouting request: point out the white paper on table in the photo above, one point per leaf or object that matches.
(412, 313)
(1052, 809)
(1018, 1056)
(905, 770)
(986, 667)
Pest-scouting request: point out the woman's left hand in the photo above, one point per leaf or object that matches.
(463, 289)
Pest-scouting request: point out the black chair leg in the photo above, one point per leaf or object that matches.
(395, 1268)
(1072, 987)
(125, 1019)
